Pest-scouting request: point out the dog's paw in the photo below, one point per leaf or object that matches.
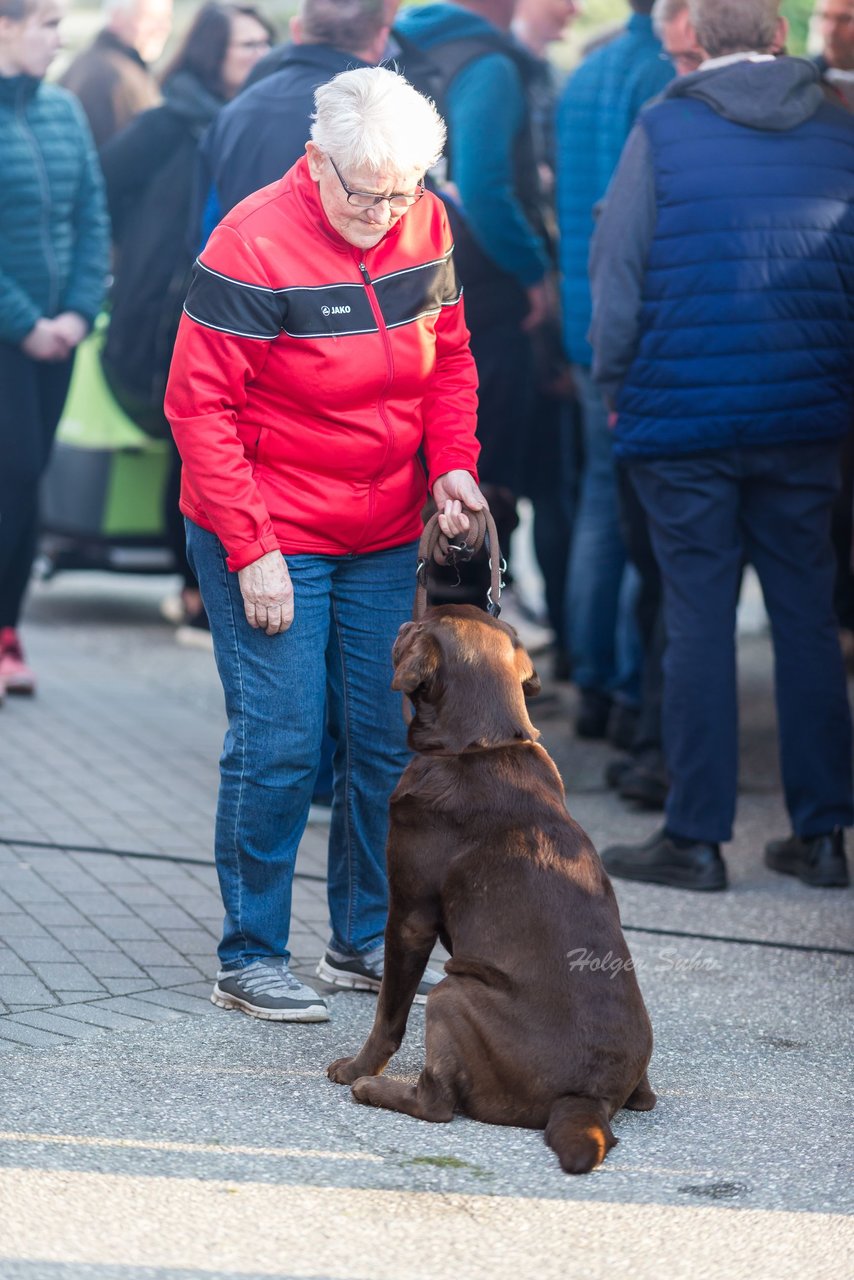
(366, 1090)
(342, 1071)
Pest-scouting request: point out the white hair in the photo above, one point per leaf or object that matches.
(665, 11)
(733, 26)
(373, 118)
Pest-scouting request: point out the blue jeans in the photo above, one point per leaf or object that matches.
(336, 654)
(707, 514)
(601, 586)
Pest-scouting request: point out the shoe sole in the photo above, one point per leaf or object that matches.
(839, 880)
(670, 879)
(233, 1004)
(351, 982)
(20, 688)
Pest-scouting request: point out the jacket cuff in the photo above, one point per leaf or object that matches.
(446, 464)
(17, 330)
(251, 552)
(534, 273)
(84, 312)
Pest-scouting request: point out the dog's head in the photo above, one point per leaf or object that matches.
(467, 675)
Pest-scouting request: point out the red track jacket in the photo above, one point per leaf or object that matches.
(307, 373)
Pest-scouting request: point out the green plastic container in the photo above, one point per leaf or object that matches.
(107, 478)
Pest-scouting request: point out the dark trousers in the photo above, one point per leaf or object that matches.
(173, 522)
(770, 506)
(649, 611)
(550, 481)
(843, 539)
(502, 353)
(32, 393)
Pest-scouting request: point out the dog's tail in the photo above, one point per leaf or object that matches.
(579, 1133)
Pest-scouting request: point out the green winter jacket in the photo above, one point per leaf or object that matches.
(54, 229)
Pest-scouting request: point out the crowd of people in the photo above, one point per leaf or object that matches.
(626, 294)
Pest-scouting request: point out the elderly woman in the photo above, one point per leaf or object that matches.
(323, 345)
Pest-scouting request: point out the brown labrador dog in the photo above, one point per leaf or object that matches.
(483, 855)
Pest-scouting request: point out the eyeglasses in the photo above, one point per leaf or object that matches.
(368, 200)
(687, 61)
(257, 46)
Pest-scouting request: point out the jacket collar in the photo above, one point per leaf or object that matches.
(107, 40)
(306, 190)
(18, 88)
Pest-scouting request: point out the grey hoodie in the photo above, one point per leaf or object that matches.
(772, 96)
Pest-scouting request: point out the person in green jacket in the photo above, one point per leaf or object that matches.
(54, 257)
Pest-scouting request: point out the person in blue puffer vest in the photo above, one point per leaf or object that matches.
(54, 256)
(723, 331)
(595, 116)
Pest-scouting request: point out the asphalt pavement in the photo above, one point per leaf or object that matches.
(146, 1134)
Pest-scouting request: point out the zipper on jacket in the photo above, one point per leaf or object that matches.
(378, 316)
(44, 183)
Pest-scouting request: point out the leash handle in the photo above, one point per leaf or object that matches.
(436, 547)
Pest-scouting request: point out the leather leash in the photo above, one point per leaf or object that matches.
(437, 548)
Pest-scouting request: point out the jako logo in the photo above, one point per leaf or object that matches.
(335, 311)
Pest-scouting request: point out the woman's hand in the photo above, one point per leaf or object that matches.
(71, 327)
(45, 342)
(451, 492)
(268, 596)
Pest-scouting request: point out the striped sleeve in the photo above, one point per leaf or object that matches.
(226, 293)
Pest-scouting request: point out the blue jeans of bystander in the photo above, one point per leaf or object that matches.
(601, 586)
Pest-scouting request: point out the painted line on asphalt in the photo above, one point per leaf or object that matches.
(191, 1148)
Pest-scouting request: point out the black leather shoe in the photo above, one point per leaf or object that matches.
(646, 781)
(622, 726)
(594, 710)
(663, 860)
(818, 860)
(616, 770)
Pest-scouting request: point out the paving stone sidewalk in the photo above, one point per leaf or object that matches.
(118, 751)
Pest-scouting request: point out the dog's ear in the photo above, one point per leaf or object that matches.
(416, 658)
(528, 677)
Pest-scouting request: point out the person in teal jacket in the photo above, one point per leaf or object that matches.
(54, 247)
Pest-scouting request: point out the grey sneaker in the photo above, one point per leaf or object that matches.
(365, 973)
(268, 989)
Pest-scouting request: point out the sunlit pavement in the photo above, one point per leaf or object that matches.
(147, 1134)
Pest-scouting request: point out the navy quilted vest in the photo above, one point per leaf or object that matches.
(747, 319)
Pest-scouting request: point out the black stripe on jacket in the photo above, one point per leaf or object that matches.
(321, 311)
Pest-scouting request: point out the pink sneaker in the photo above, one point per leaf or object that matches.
(15, 675)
